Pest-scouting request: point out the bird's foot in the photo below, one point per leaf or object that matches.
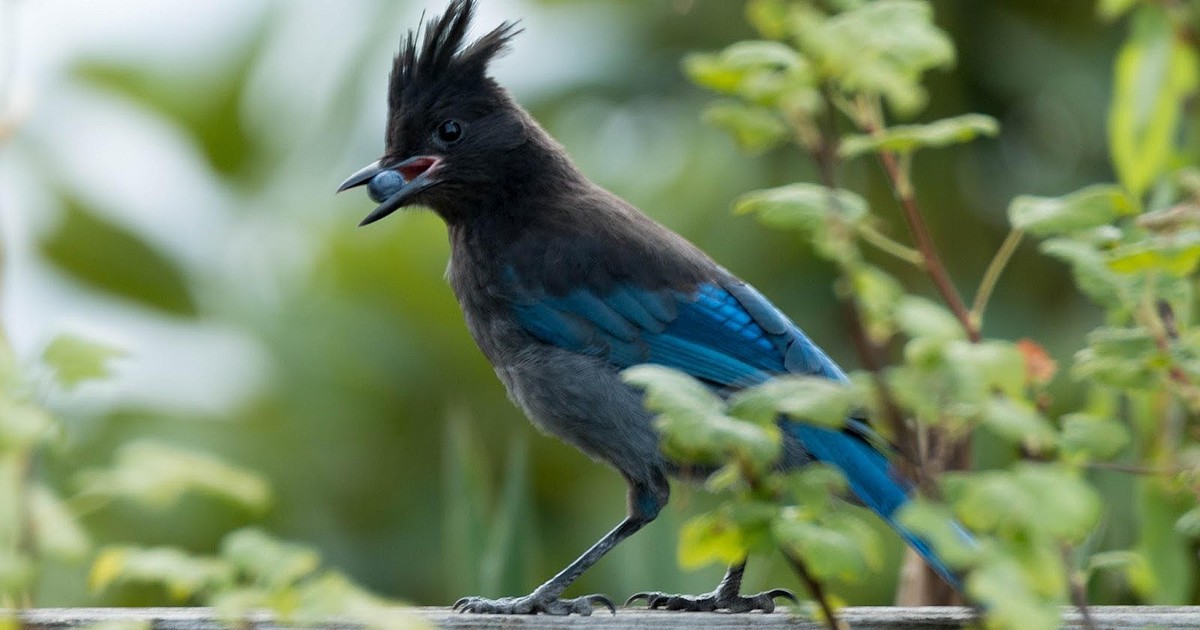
(714, 601)
(533, 604)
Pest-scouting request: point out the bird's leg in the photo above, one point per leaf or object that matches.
(725, 597)
(645, 503)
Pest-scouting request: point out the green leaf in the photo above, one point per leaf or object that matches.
(1174, 254)
(1110, 10)
(810, 399)
(1093, 436)
(1090, 269)
(131, 268)
(75, 360)
(1067, 506)
(709, 538)
(270, 561)
(877, 293)
(1155, 72)
(23, 424)
(157, 474)
(1131, 563)
(1087, 208)
(1002, 586)
(1044, 499)
(995, 365)
(763, 72)
(1019, 422)
(1121, 357)
(840, 549)
(769, 17)
(806, 207)
(936, 523)
(693, 423)
(672, 391)
(183, 574)
(55, 530)
(333, 595)
(908, 138)
(880, 47)
(1189, 523)
(918, 317)
(756, 129)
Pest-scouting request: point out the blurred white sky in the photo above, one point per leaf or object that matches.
(143, 173)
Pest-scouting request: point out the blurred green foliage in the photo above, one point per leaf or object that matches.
(1133, 251)
(386, 439)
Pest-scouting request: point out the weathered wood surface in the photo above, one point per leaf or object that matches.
(864, 618)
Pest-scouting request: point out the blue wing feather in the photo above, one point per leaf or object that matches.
(732, 337)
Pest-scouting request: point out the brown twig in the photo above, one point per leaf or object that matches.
(1078, 589)
(816, 588)
(902, 187)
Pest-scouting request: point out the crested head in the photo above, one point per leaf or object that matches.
(455, 141)
(441, 58)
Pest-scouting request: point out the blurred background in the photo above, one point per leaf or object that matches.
(166, 187)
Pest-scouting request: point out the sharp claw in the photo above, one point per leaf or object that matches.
(784, 593)
(460, 604)
(602, 599)
(646, 595)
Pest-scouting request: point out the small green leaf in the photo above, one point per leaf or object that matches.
(811, 399)
(708, 539)
(1087, 208)
(769, 17)
(1110, 10)
(837, 550)
(880, 47)
(55, 530)
(183, 574)
(1019, 422)
(1003, 587)
(936, 523)
(1093, 436)
(76, 360)
(270, 561)
(908, 138)
(1155, 71)
(807, 207)
(157, 474)
(1174, 254)
(1090, 268)
(23, 424)
(919, 317)
(1189, 523)
(756, 129)
(672, 391)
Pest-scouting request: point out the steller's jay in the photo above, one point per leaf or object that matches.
(563, 285)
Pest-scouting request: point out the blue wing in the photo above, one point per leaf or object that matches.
(726, 334)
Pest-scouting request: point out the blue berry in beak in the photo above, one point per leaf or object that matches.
(384, 185)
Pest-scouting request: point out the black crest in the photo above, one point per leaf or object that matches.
(442, 55)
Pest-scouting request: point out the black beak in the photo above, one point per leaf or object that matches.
(394, 186)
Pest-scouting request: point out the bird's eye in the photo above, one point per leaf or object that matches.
(450, 132)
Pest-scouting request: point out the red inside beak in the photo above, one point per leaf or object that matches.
(417, 166)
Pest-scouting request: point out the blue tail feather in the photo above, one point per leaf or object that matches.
(873, 480)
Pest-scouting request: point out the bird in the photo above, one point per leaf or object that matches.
(563, 285)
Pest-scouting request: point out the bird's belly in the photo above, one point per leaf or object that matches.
(583, 401)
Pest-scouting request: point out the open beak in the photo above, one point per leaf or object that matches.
(394, 186)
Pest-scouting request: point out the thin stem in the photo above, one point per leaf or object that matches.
(816, 588)
(992, 276)
(902, 186)
(888, 245)
(1078, 589)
